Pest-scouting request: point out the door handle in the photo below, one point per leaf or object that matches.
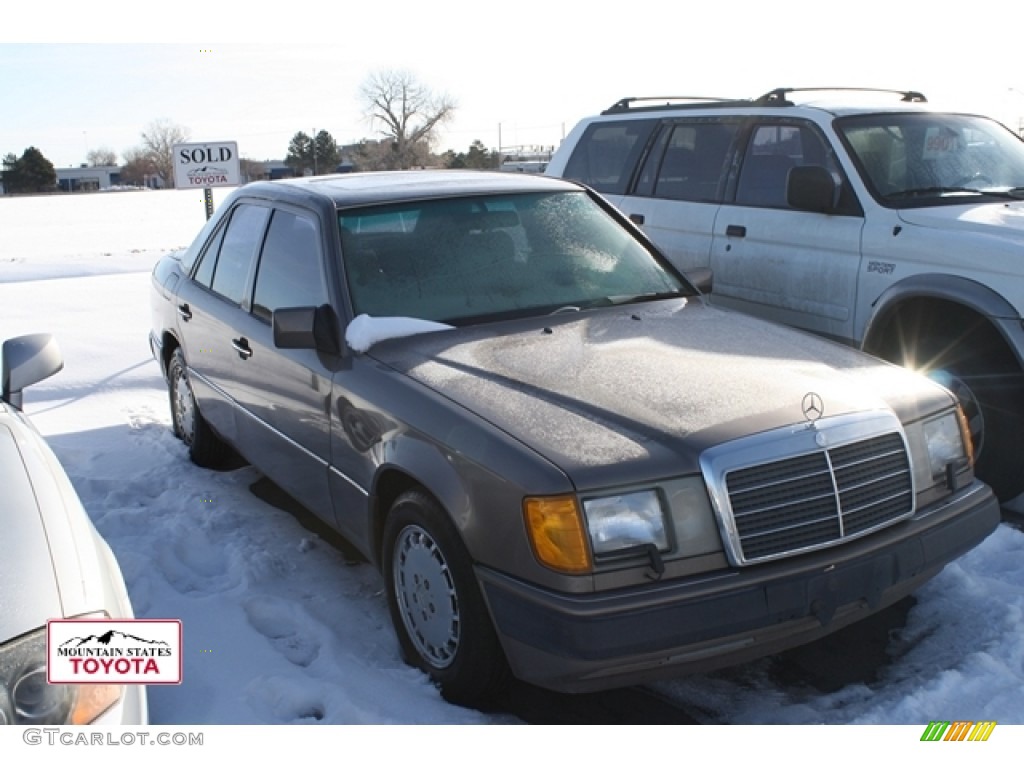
(242, 347)
(185, 312)
(637, 218)
(735, 230)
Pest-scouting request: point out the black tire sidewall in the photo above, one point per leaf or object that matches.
(206, 449)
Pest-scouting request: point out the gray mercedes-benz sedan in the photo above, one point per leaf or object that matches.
(567, 465)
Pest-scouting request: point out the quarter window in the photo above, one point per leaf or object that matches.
(608, 153)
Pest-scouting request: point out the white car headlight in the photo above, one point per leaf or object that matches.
(26, 698)
(945, 443)
(622, 522)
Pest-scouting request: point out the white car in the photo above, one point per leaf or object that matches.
(53, 563)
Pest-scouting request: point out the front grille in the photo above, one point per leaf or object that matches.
(818, 499)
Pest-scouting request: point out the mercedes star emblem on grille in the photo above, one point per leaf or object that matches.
(813, 407)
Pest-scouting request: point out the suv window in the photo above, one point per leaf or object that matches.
(688, 161)
(607, 153)
(289, 272)
(773, 149)
(237, 251)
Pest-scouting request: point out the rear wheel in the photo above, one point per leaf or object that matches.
(439, 615)
(204, 447)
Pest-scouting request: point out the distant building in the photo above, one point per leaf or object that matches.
(88, 178)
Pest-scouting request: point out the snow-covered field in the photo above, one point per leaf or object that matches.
(278, 626)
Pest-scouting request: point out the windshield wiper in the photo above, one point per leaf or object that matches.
(923, 191)
(1016, 193)
(637, 298)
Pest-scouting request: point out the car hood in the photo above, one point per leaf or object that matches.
(28, 587)
(1003, 220)
(610, 394)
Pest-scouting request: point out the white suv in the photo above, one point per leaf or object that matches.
(870, 218)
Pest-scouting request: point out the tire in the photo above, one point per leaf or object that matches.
(982, 373)
(439, 615)
(205, 449)
(992, 394)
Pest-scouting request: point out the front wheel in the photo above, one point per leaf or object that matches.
(439, 615)
(989, 384)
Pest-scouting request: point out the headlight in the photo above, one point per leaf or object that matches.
(944, 438)
(27, 699)
(623, 522)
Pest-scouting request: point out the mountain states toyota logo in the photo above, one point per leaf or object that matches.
(122, 652)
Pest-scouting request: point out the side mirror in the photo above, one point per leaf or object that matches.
(26, 360)
(811, 188)
(306, 328)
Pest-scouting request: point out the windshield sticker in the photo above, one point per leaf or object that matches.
(939, 141)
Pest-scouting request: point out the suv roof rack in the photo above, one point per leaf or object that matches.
(778, 96)
(629, 104)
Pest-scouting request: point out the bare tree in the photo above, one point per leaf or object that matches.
(138, 166)
(408, 112)
(159, 138)
(101, 156)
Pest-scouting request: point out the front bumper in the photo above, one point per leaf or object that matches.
(588, 642)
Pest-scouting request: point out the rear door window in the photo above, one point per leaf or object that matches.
(238, 251)
(688, 161)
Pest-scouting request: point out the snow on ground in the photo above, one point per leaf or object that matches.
(279, 627)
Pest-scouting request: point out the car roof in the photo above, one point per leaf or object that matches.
(355, 189)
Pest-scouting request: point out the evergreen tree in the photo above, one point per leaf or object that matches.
(327, 154)
(31, 172)
(300, 153)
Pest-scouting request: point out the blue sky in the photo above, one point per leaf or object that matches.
(94, 75)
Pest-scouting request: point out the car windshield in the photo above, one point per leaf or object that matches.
(474, 259)
(927, 159)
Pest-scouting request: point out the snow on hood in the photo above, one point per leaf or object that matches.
(365, 331)
(655, 384)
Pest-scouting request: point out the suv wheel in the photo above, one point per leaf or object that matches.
(436, 607)
(968, 357)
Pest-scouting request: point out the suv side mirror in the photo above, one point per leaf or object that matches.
(811, 188)
(25, 360)
(306, 328)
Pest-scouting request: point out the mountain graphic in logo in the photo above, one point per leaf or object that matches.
(208, 170)
(112, 638)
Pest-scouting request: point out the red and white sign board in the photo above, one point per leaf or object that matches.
(122, 652)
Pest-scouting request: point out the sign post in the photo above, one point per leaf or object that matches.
(207, 165)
